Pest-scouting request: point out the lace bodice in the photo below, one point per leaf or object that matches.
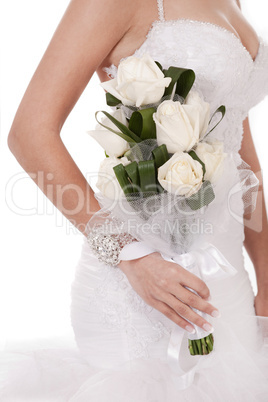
(225, 71)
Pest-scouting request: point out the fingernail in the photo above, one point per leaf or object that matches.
(215, 314)
(208, 328)
(190, 329)
(208, 298)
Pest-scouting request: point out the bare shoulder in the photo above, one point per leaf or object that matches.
(118, 10)
(142, 17)
(106, 20)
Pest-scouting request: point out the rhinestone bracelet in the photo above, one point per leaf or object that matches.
(106, 246)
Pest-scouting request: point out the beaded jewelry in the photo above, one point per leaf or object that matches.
(106, 246)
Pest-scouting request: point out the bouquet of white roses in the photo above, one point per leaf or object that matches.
(159, 169)
(158, 162)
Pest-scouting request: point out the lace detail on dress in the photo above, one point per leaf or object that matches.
(120, 312)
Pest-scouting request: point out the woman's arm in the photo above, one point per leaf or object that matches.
(256, 226)
(87, 33)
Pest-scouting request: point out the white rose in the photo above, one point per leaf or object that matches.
(177, 126)
(181, 175)
(213, 156)
(203, 108)
(107, 182)
(139, 82)
(111, 142)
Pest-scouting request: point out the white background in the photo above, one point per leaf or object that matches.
(39, 248)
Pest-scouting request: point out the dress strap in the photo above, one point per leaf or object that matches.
(161, 14)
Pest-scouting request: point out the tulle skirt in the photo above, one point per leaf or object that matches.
(120, 350)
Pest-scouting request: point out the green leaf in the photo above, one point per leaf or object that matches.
(190, 346)
(147, 173)
(195, 157)
(112, 100)
(185, 83)
(202, 198)
(124, 133)
(123, 178)
(199, 346)
(209, 342)
(222, 110)
(142, 123)
(195, 347)
(204, 346)
(184, 78)
(133, 173)
(160, 155)
(159, 65)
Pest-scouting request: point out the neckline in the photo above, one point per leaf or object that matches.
(200, 22)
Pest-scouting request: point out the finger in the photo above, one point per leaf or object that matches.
(173, 316)
(195, 301)
(184, 311)
(192, 281)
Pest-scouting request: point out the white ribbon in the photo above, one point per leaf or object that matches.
(135, 250)
(209, 264)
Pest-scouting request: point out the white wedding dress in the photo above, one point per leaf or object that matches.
(123, 344)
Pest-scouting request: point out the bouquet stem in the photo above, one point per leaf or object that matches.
(201, 346)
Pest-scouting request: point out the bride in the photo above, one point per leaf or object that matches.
(130, 321)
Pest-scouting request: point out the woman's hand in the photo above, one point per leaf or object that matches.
(261, 303)
(161, 284)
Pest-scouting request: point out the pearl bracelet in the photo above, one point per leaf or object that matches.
(106, 246)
